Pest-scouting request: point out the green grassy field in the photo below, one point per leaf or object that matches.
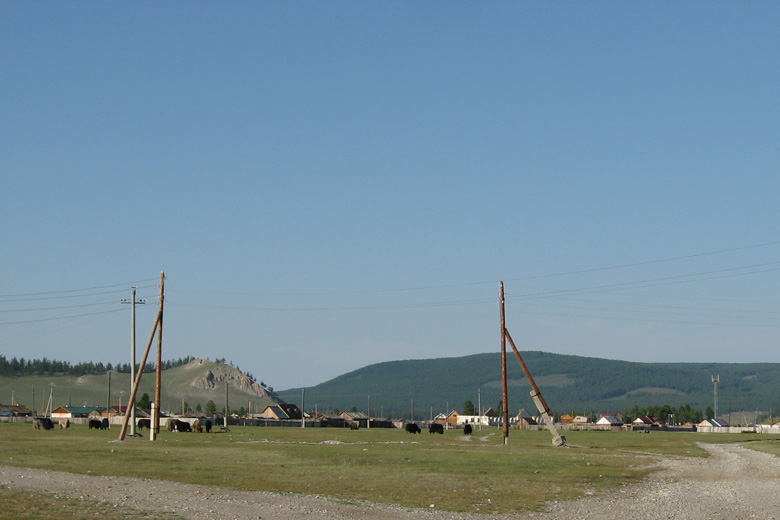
(21, 505)
(452, 471)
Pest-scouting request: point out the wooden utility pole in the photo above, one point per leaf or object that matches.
(158, 379)
(227, 406)
(139, 374)
(505, 413)
(108, 400)
(132, 303)
(303, 407)
(156, 408)
(536, 395)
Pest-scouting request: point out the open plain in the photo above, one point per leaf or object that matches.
(386, 475)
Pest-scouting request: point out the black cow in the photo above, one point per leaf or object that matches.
(436, 428)
(354, 426)
(144, 423)
(104, 424)
(413, 428)
(43, 422)
(208, 425)
(96, 424)
(467, 430)
(175, 425)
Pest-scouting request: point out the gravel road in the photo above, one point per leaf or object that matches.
(732, 483)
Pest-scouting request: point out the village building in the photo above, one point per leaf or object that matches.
(452, 418)
(646, 422)
(355, 418)
(524, 420)
(608, 422)
(275, 412)
(712, 426)
(16, 410)
(113, 411)
(330, 420)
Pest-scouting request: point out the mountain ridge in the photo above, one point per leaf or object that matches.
(568, 383)
(196, 382)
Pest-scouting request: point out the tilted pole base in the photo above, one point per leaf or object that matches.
(557, 439)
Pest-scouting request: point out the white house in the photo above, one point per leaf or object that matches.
(609, 421)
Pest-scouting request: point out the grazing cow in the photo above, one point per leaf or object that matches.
(208, 425)
(43, 422)
(354, 426)
(144, 423)
(467, 430)
(104, 424)
(436, 428)
(65, 423)
(197, 427)
(96, 424)
(413, 428)
(175, 425)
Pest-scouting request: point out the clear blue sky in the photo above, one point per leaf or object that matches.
(332, 184)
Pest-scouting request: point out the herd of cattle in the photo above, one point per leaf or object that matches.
(434, 428)
(175, 425)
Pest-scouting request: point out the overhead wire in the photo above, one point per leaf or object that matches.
(125, 284)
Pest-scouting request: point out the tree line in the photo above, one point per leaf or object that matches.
(52, 367)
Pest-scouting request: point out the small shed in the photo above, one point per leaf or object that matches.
(330, 420)
(358, 418)
(566, 419)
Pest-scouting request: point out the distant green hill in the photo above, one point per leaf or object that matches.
(195, 383)
(568, 384)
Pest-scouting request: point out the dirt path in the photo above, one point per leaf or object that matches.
(733, 483)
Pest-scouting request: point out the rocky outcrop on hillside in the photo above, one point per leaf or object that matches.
(223, 373)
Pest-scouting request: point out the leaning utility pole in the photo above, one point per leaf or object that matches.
(131, 406)
(155, 407)
(536, 395)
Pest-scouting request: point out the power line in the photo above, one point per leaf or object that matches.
(27, 296)
(40, 320)
(651, 282)
(55, 308)
(647, 262)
